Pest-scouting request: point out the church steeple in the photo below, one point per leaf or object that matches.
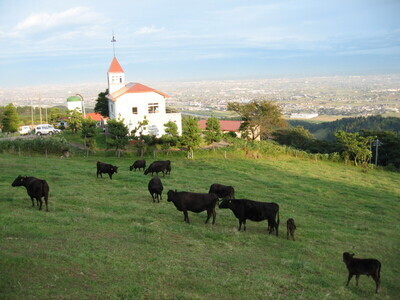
(116, 76)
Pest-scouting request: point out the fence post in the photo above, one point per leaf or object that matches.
(225, 154)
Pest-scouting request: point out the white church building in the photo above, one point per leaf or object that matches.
(133, 102)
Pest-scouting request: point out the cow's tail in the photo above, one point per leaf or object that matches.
(378, 272)
(278, 219)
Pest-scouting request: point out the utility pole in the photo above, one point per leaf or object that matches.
(83, 105)
(40, 110)
(32, 113)
(46, 115)
(377, 144)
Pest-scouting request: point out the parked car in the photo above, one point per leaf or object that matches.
(24, 130)
(44, 129)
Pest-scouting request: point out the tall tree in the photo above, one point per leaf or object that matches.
(74, 120)
(171, 128)
(191, 135)
(10, 121)
(171, 137)
(89, 133)
(101, 106)
(213, 130)
(55, 115)
(117, 135)
(356, 147)
(259, 118)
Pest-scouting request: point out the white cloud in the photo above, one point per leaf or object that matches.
(76, 15)
(149, 30)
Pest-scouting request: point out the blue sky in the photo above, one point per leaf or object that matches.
(56, 42)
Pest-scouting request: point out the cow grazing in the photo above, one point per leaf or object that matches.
(363, 266)
(155, 188)
(244, 209)
(36, 188)
(195, 202)
(291, 227)
(222, 191)
(106, 168)
(139, 164)
(163, 166)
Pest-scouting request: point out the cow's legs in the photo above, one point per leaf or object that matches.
(377, 282)
(240, 225)
(110, 174)
(186, 216)
(348, 280)
(33, 201)
(46, 202)
(208, 216)
(214, 215)
(357, 277)
(40, 202)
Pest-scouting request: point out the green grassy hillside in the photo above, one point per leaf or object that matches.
(106, 239)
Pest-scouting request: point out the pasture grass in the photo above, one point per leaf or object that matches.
(106, 239)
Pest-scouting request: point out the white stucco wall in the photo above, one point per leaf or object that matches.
(115, 81)
(74, 105)
(124, 104)
(122, 109)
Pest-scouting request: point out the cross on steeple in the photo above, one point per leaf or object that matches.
(113, 40)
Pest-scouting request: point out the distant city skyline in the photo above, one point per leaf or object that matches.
(69, 42)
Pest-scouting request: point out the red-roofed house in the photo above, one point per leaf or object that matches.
(95, 117)
(226, 126)
(100, 119)
(133, 102)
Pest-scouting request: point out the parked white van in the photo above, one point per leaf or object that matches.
(23, 130)
(43, 129)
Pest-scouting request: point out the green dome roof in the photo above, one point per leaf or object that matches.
(74, 99)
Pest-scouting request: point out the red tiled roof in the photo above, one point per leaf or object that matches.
(134, 87)
(115, 67)
(226, 125)
(95, 116)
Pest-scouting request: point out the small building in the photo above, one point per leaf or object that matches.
(133, 102)
(226, 126)
(74, 102)
(100, 119)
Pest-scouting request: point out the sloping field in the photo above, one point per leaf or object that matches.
(106, 239)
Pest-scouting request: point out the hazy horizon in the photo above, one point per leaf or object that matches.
(51, 42)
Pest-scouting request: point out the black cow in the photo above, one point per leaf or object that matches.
(290, 227)
(363, 266)
(222, 191)
(244, 209)
(36, 188)
(139, 164)
(194, 202)
(155, 188)
(163, 166)
(106, 168)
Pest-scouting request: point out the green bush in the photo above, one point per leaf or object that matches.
(40, 145)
